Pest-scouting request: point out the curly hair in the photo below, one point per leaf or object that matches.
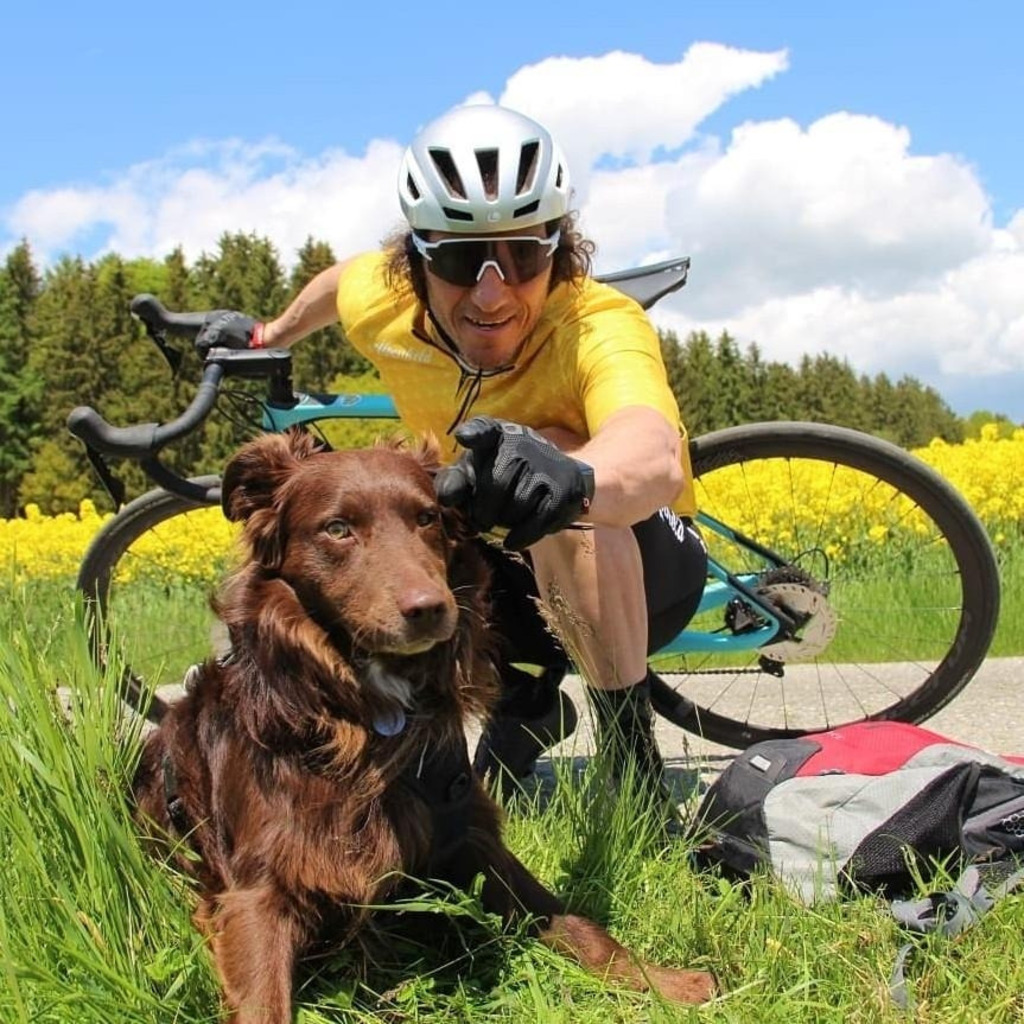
(573, 259)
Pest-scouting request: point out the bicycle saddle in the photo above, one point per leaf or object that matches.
(648, 284)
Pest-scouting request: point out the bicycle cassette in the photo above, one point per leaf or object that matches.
(807, 602)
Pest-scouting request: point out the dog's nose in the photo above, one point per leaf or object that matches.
(424, 608)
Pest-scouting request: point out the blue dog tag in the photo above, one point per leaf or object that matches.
(389, 725)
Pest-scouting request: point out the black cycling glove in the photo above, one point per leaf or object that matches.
(512, 477)
(224, 328)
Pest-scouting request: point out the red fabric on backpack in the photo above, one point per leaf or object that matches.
(868, 748)
(873, 748)
(843, 809)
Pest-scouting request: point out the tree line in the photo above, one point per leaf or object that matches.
(67, 339)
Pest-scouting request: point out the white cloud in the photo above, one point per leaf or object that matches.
(623, 106)
(833, 236)
(786, 209)
(838, 238)
(970, 321)
(194, 194)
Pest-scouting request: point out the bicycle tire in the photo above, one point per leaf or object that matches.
(145, 615)
(932, 638)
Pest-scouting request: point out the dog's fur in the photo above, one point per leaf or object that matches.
(287, 768)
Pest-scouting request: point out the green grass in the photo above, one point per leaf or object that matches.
(1009, 638)
(167, 626)
(92, 930)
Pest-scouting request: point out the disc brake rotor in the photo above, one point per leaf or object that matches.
(809, 603)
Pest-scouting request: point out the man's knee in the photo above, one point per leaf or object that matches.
(577, 558)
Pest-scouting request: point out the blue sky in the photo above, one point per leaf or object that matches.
(846, 176)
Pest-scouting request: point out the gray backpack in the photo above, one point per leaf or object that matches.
(865, 807)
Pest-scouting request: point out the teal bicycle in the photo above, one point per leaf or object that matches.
(847, 580)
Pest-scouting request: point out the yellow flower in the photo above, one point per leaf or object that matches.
(796, 506)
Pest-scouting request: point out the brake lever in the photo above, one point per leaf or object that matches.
(159, 338)
(111, 484)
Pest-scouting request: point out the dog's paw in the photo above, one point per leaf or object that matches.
(683, 986)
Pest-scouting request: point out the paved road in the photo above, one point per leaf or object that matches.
(989, 713)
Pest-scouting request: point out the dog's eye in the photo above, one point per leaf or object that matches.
(338, 529)
(428, 517)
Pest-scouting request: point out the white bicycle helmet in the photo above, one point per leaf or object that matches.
(482, 169)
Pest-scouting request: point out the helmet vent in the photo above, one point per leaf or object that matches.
(487, 162)
(483, 167)
(527, 167)
(449, 173)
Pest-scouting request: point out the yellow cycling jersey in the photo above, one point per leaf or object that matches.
(592, 352)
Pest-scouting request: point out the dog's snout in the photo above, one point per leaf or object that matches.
(422, 615)
(424, 607)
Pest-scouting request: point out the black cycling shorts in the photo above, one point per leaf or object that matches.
(675, 569)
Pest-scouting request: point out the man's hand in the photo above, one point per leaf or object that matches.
(227, 329)
(510, 476)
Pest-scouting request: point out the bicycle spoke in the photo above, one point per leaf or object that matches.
(878, 550)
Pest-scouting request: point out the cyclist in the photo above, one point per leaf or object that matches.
(550, 396)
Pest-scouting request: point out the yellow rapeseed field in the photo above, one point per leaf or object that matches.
(989, 472)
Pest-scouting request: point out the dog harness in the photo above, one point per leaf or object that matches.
(442, 778)
(172, 795)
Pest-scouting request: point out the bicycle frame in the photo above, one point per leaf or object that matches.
(722, 588)
(770, 612)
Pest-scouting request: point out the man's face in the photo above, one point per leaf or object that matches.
(491, 318)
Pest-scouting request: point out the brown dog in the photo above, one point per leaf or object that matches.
(326, 756)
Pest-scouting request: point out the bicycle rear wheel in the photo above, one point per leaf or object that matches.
(147, 579)
(893, 571)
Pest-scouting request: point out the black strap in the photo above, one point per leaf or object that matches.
(443, 779)
(175, 804)
(948, 913)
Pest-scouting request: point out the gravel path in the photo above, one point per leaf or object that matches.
(989, 713)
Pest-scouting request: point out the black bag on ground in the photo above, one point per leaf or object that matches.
(852, 809)
(866, 807)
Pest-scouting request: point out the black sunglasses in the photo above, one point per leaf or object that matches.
(462, 261)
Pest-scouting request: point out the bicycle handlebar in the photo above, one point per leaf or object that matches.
(144, 439)
(152, 312)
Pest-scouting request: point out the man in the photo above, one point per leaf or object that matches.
(550, 397)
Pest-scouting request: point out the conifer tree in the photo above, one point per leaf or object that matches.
(779, 398)
(245, 274)
(698, 385)
(832, 392)
(325, 355)
(734, 382)
(21, 389)
(64, 357)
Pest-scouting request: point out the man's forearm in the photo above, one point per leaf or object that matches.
(636, 460)
(314, 307)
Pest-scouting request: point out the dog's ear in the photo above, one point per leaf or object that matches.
(252, 480)
(423, 448)
(427, 452)
(258, 469)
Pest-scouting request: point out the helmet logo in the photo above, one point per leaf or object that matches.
(493, 217)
